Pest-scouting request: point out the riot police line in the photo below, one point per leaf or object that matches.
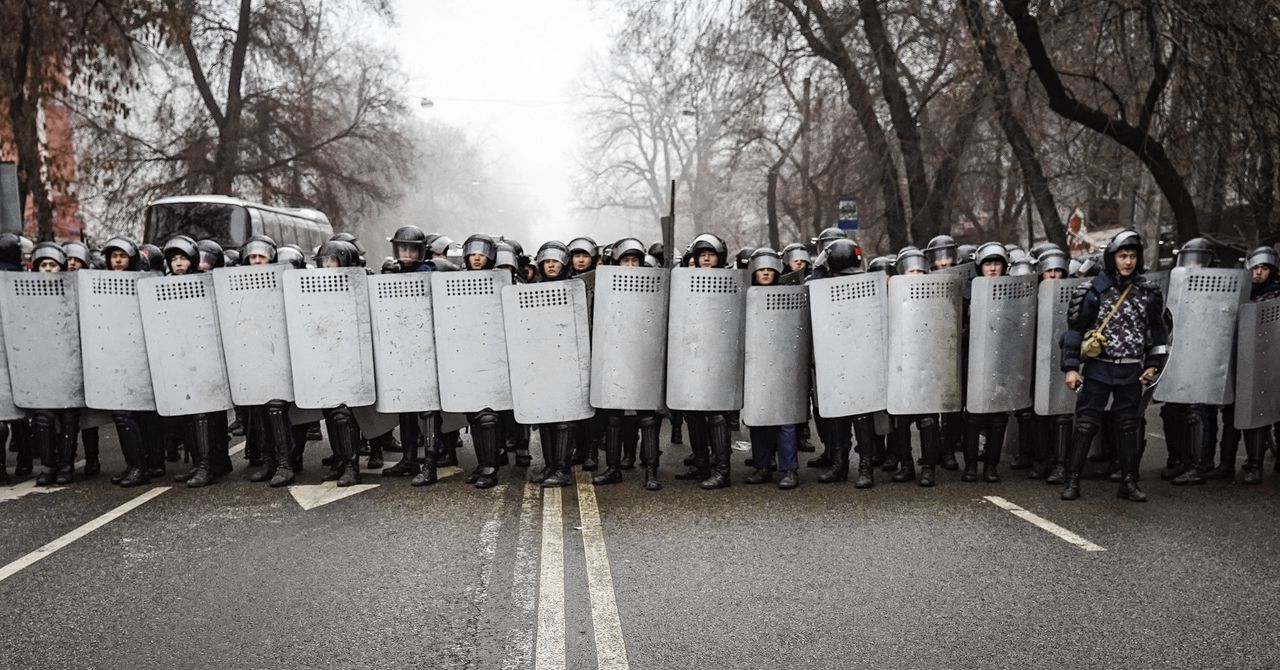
(594, 346)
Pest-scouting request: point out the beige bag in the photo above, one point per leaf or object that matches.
(1094, 341)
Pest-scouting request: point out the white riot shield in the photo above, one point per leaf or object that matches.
(629, 338)
(548, 351)
(184, 346)
(1002, 343)
(705, 339)
(850, 343)
(924, 344)
(1257, 365)
(330, 344)
(404, 343)
(471, 343)
(777, 349)
(42, 339)
(1200, 367)
(1052, 397)
(966, 270)
(8, 410)
(117, 375)
(373, 423)
(1159, 278)
(255, 337)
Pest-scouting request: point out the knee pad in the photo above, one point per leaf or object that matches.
(1089, 423)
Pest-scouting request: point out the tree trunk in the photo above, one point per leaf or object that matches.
(24, 119)
(1024, 149)
(226, 156)
(1136, 139)
(771, 208)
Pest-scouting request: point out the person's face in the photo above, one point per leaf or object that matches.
(1055, 273)
(74, 264)
(798, 264)
(528, 272)
(915, 271)
(118, 260)
(943, 263)
(552, 268)
(707, 259)
(179, 264)
(1261, 273)
(258, 259)
(629, 261)
(477, 261)
(408, 253)
(47, 265)
(330, 262)
(992, 269)
(766, 276)
(581, 260)
(1126, 262)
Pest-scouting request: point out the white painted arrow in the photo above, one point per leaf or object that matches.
(311, 496)
(23, 489)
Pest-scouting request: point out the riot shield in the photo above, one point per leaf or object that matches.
(1159, 278)
(548, 351)
(924, 344)
(298, 416)
(184, 347)
(117, 375)
(850, 343)
(1052, 397)
(629, 340)
(471, 343)
(777, 349)
(373, 423)
(404, 343)
(588, 280)
(793, 278)
(42, 339)
(705, 339)
(965, 270)
(1200, 366)
(330, 344)
(1002, 343)
(1257, 364)
(255, 337)
(8, 410)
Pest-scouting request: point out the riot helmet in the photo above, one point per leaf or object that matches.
(10, 249)
(964, 253)
(795, 257)
(408, 244)
(553, 260)
(439, 247)
(1073, 269)
(766, 260)
(1263, 263)
(843, 257)
(744, 257)
(912, 261)
(1040, 249)
(507, 259)
(337, 254)
(712, 243)
(1196, 253)
(152, 258)
(1016, 253)
(349, 239)
(28, 247)
(48, 257)
(125, 252)
(882, 264)
(78, 256)
(264, 250)
(628, 247)
(991, 252)
(389, 266)
(1053, 260)
(292, 255)
(210, 255)
(942, 252)
(582, 253)
(231, 258)
(650, 262)
(480, 245)
(658, 253)
(1023, 267)
(182, 250)
(1089, 267)
(827, 236)
(1125, 239)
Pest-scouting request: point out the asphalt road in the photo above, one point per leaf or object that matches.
(238, 575)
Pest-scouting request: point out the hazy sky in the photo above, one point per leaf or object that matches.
(505, 70)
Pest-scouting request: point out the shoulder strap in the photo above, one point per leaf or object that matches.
(1115, 308)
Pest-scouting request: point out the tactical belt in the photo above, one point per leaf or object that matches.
(1120, 361)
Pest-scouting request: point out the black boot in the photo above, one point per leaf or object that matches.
(1129, 438)
(280, 441)
(900, 440)
(1061, 437)
(378, 446)
(69, 429)
(612, 453)
(92, 464)
(864, 428)
(45, 442)
(1196, 451)
(410, 433)
(1254, 444)
(199, 444)
(131, 445)
(259, 435)
(996, 425)
(1025, 459)
(1081, 441)
(562, 475)
(427, 470)
(835, 437)
(650, 428)
(677, 436)
(718, 436)
(839, 470)
(1226, 469)
(547, 444)
(700, 469)
(790, 480)
(972, 433)
(629, 445)
(351, 431)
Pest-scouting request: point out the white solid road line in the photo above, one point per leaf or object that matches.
(611, 651)
(524, 582)
(1060, 532)
(550, 643)
(48, 549)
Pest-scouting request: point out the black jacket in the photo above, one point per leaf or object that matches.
(1083, 315)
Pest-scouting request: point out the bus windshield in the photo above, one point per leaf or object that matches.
(227, 225)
